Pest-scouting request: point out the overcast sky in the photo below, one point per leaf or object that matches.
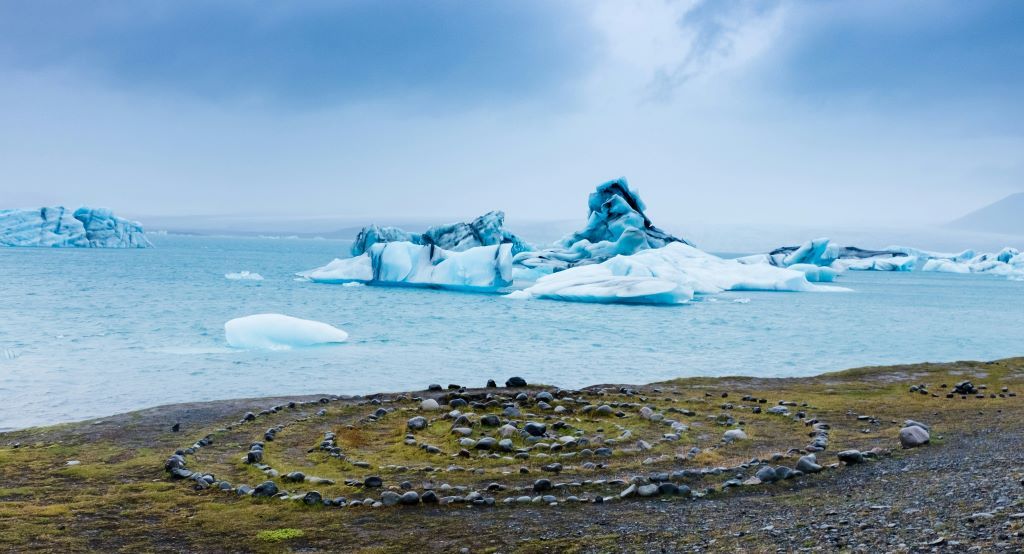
(859, 112)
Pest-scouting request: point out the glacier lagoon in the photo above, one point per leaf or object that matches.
(88, 333)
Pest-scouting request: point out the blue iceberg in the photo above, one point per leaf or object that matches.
(620, 256)
(486, 230)
(57, 227)
(484, 268)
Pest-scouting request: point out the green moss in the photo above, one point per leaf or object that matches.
(278, 535)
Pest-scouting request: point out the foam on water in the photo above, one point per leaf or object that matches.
(94, 332)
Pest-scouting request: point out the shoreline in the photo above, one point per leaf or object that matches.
(591, 480)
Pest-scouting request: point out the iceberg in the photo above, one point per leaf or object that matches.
(279, 332)
(822, 254)
(616, 226)
(243, 276)
(486, 230)
(58, 227)
(620, 256)
(672, 274)
(483, 268)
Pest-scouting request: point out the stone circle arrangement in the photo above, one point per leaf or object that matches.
(516, 445)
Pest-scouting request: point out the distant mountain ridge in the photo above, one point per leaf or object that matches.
(1005, 217)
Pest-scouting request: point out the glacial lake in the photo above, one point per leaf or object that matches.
(89, 333)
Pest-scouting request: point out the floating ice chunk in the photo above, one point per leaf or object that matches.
(946, 266)
(279, 332)
(58, 227)
(484, 268)
(243, 276)
(816, 273)
(352, 284)
(741, 301)
(668, 275)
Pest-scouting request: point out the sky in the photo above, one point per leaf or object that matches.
(776, 111)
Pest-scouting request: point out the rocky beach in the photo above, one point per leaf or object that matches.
(913, 458)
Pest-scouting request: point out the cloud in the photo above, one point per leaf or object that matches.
(304, 53)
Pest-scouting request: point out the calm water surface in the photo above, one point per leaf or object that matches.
(87, 333)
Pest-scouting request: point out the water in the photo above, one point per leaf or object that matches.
(88, 333)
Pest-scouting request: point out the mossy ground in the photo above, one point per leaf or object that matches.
(119, 498)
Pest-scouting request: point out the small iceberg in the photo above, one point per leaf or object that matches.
(280, 332)
(243, 276)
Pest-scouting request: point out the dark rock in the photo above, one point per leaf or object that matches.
(429, 497)
(175, 428)
(515, 382)
(490, 420)
(265, 489)
(541, 485)
(851, 457)
(491, 384)
(389, 498)
(417, 423)
(373, 482)
(294, 477)
(536, 429)
(312, 498)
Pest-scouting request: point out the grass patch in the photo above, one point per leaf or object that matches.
(279, 535)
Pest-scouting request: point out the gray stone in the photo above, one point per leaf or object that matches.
(914, 436)
(429, 405)
(490, 420)
(410, 498)
(851, 456)
(766, 474)
(808, 464)
(389, 498)
(647, 490)
(734, 435)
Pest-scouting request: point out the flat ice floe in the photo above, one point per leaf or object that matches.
(672, 274)
(280, 332)
(243, 276)
(822, 253)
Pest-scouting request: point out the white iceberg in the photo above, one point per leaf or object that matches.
(672, 274)
(58, 227)
(279, 332)
(483, 268)
(243, 276)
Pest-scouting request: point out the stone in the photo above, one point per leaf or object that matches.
(647, 490)
(851, 456)
(507, 430)
(294, 477)
(544, 396)
(604, 409)
(808, 464)
(373, 482)
(429, 497)
(486, 443)
(410, 498)
(766, 474)
(417, 423)
(389, 498)
(490, 420)
(312, 498)
(491, 384)
(914, 436)
(536, 429)
(630, 491)
(265, 489)
(515, 382)
(542, 485)
(429, 405)
(734, 435)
